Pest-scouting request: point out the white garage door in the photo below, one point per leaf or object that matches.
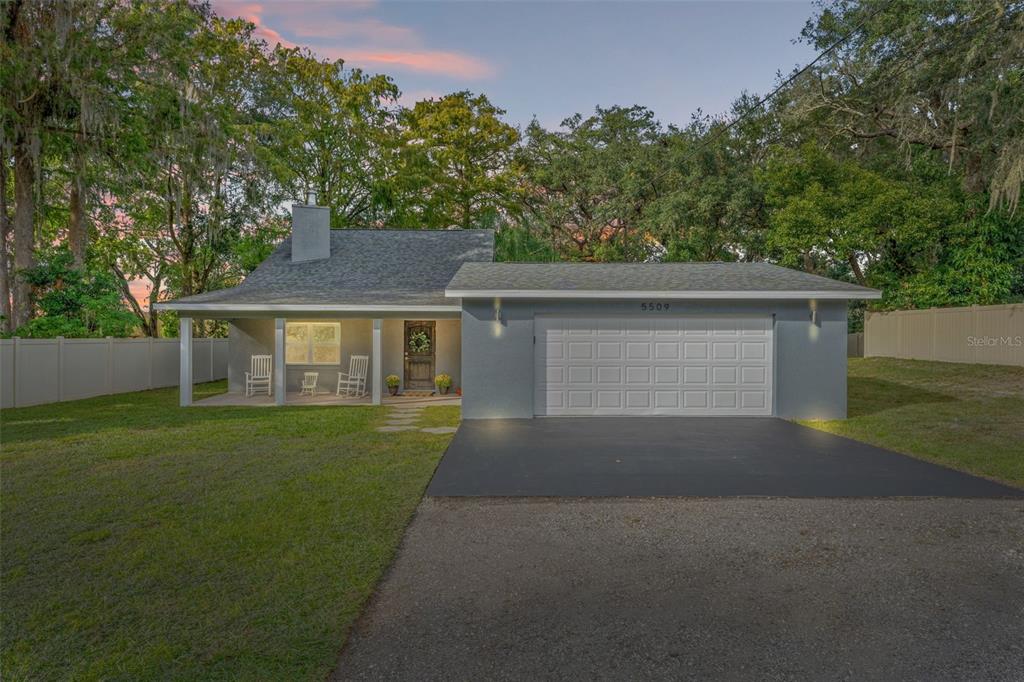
(657, 365)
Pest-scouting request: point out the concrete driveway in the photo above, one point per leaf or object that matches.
(687, 588)
(700, 457)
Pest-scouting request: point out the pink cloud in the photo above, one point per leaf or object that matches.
(375, 39)
(375, 30)
(426, 61)
(253, 13)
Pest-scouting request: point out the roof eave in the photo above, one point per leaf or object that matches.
(301, 307)
(659, 294)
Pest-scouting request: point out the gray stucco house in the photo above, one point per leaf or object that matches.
(532, 339)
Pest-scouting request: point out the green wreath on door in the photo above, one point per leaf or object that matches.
(419, 342)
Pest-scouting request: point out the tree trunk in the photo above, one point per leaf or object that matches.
(24, 233)
(153, 326)
(808, 262)
(77, 239)
(5, 251)
(855, 266)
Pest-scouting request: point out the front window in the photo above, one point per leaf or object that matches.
(312, 343)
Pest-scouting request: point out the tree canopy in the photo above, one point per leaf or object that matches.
(155, 145)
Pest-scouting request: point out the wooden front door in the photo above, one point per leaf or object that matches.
(419, 355)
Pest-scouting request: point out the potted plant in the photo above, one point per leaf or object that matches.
(443, 383)
(392, 381)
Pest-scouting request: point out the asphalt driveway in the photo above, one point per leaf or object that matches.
(686, 588)
(699, 457)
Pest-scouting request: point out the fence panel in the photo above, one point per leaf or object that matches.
(7, 372)
(36, 376)
(992, 335)
(166, 358)
(202, 360)
(131, 371)
(38, 371)
(855, 345)
(84, 369)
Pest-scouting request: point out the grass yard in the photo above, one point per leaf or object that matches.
(145, 541)
(970, 417)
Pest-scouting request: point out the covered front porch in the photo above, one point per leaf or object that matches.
(414, 346)
(324, 399)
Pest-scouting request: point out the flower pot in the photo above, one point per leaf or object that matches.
(443, 390)
(393, 390)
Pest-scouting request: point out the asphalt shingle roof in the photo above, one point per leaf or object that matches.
(654, 277)
(366, 267)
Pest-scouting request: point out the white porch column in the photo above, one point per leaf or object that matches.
(185, 368)
(377, 363)
(279, 371)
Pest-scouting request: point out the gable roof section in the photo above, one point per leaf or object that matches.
(385, 269)
(646, 280)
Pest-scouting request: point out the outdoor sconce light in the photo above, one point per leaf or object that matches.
(499, 323)
(814, 314)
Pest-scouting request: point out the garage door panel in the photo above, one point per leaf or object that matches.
(723, 375)
(666, 351)
(754, 375)
(555, 399)
(695, 399)
(638, 376)
(724, 350)
(638, 351)
(695, 375)
(752, 399)
(580, 399)
(695, 350)
(723, 400)
(555, 375)
(581, 350)
(638, 399)
(666, 375)
(666, 399)
(581, 374)
(665, 365)
(757, 350)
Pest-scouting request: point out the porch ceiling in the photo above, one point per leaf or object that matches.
(307, 312)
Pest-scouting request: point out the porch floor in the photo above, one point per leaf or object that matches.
(293, 398)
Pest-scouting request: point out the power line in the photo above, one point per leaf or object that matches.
(784, 84)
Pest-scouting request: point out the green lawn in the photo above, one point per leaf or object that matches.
(145, 541)
(969, 417)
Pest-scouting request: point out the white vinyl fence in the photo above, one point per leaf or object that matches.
(991, 334)
(37, 371)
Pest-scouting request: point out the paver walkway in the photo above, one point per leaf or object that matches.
(405, 417)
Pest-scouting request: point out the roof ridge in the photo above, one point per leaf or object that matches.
(457, 230)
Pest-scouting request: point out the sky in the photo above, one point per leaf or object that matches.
(550, 60)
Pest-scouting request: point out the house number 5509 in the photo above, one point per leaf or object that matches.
(650, 307)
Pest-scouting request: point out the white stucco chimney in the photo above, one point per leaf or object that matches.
(311, 231)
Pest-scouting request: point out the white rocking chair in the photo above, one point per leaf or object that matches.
(309, 380)
(258, 378)
(353, 383)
